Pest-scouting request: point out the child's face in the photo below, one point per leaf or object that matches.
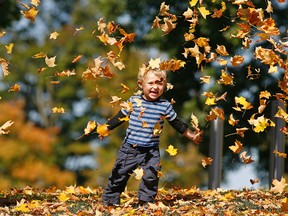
(152, 85)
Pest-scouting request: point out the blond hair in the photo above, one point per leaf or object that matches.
(145, 69)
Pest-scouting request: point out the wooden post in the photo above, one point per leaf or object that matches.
(215, 152)
(277, 142)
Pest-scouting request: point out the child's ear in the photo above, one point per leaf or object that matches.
(139, 82)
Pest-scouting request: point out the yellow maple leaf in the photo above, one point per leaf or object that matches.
(245, 105)
(9, 48)
(260, 124)
(210, 101)
(171, 150)
(102, 130)
(193, 3)
(204, 12)
(63, 197)
(194, 121)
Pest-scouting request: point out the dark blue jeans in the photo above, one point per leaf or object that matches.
(128, 159)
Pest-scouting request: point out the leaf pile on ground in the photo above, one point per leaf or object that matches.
(78, 200)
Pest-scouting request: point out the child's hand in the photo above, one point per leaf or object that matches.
(197, 137)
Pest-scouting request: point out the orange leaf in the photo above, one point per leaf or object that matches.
(30, 14)
(5, 126)
(280, 154)
(206, 161)
(102, 130)
(157, 129)
(237, 147)
(14, 88)
(246, 159)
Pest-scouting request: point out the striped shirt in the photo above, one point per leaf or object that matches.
(146, 120)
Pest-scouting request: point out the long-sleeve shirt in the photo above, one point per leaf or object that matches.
(146, 120)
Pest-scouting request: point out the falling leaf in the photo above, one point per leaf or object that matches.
(193, 2)
(35, 2)
(65, 73)
(232, 121)
(14, 88)
(280, 154)
(115, 100)
(254, 181)
(125, 88)
(206, 161)
(194, 121)
(246, 159)
(39, 55)
(2, 33)
(281, 114)
(58, 110)
(9, 48)
(241, 131)
(278, 186)
(260, 124)
(237, 148)
(221, 50)
(237, 60)
(215, 113)
(154, 63)
(245, 105)
(171, 150)
(76, 58)
(226, 78)
(50, 62)
(5, 126)
(54, 35)
(139, 172)
(30, 14)
(4, 65)
(102, 130)
(204, 12)
(205, 79)
(91, 125)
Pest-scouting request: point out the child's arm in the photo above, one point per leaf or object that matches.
(113, 123)
(181, 127)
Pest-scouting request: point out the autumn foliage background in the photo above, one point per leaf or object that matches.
(66, 64)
